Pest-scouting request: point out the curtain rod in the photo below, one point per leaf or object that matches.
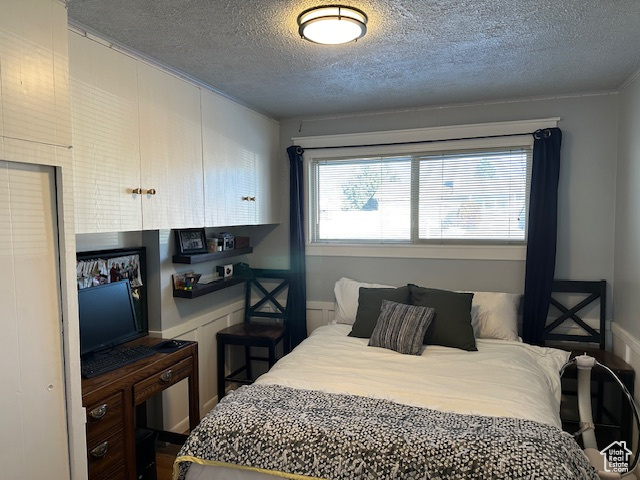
(537, 134)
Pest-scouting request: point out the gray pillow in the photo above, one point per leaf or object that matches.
(451, 326)
(401, 327)
(369, 303)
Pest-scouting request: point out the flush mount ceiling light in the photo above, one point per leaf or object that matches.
(332, 24)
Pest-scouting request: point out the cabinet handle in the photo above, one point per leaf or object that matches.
(252, 199)
(245, 199)
(166, 376)
(151, 191)
(137, 191)
(99, 412)
(101, 450)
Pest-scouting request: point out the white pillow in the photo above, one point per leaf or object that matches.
(495, 315)
(347, 292)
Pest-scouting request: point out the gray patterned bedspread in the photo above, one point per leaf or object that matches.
(329, 436)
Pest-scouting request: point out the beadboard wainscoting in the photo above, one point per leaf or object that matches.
(627, 347)
(203, 329)
(318, 314)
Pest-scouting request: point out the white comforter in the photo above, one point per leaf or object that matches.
(508, 379)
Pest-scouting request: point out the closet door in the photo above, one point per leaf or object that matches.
(33, 426)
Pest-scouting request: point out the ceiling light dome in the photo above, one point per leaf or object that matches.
(332, 24)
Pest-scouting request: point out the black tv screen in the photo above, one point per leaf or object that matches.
(107, 316)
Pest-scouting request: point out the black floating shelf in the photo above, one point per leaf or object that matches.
(207, 257)
(204, 289)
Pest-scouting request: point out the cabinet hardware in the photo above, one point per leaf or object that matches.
(137, 191)
(101, 450)
(252, 199)
(245, 199)
(151, 191)
(99, 412)
(166, 376)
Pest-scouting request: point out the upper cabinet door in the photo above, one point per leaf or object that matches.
(264, 135)
(34, 72)
(170, 151)
(106, 146)
(238, 147)
(228, 163)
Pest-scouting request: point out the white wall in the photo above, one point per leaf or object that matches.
(626, 301)
(586, 201)
(627, 208)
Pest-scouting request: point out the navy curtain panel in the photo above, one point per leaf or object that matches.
(297, 320)
(541, 241)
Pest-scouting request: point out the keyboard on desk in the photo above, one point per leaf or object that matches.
(100, 363)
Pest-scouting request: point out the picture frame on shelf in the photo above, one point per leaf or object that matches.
(191, 241)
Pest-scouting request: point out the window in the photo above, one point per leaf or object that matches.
(473, 195)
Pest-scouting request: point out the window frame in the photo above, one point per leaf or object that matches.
(413, 142)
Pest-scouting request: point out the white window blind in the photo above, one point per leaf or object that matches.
(476, 196)
(480, 196)
(366, 199)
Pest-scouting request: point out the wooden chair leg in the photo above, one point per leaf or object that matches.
(247, 359)
(221, 369)
(272, 355)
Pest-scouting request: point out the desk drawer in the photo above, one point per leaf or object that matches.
(104, 415)
(162, 380)
(118, 474)
(105, 454)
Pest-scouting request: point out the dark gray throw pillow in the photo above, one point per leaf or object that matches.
(401, 327)
(451, 326)
(369, 303)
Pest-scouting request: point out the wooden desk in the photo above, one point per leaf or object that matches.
(111, 398)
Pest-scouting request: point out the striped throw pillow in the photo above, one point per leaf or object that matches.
(401, 327)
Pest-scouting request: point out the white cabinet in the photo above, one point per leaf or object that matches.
(170, 150)
(152, 151)
(106, 142)
(137, 143)
(239, 148)
(264, 135)
(34, 74)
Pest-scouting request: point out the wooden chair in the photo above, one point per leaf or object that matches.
(612, 414)
(265, 325)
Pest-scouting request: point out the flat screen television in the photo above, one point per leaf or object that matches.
(107, 317)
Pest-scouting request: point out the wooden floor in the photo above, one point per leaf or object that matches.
(165, 455)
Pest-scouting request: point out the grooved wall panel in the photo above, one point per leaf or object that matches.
(170, 150)
(106, 145)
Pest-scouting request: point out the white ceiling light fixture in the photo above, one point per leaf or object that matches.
(332, 24)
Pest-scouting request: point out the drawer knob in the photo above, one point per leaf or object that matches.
(99, 412)
(151, 191)
(101, 450)
(166, 376)
(137, 191)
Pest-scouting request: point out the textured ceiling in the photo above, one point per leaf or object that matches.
(415, 53)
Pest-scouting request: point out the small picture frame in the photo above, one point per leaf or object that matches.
(191, 241)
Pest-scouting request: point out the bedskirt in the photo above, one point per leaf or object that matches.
(296, 433)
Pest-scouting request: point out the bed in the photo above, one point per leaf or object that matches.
(336, 407)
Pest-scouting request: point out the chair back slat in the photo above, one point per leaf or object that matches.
(262, 284)
(595, 292)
